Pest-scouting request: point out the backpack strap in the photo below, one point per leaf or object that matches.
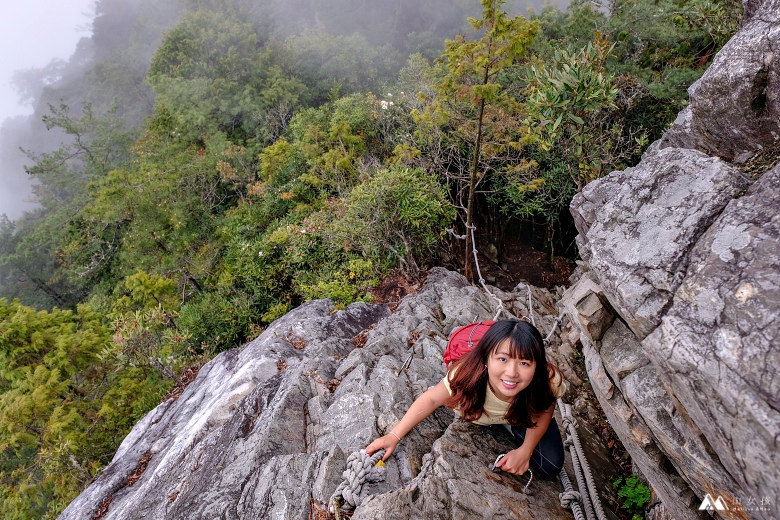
(473, 330)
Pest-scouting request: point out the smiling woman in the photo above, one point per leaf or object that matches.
(505, 379)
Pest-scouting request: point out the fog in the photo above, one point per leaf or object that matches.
(32, 34)
(48, 47)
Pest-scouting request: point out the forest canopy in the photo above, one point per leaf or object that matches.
(223, 161)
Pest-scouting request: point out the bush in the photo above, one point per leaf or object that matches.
(65, 405)
(400, 214)
(219, 320)
(345, 286)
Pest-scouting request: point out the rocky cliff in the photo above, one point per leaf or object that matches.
(678, 307)
(264, 431)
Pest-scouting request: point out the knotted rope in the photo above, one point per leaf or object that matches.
(361, 468)
(588, 492)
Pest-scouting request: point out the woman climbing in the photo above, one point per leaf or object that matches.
(505, 379)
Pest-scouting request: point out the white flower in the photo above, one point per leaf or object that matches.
(260, 253)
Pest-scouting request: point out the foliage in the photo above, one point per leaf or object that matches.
(472, 70)
(666, 44)
(211, 322)
(323, 61)
(635, 494)
(148, 340)
(401, 211)
(54, 433)
(571, 104)
(212, 69)
(345, 286)
(268, 173)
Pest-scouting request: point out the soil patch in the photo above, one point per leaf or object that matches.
(393, 288)
(522, 263)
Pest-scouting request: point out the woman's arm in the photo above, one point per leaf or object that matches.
(421, 408)
(518, 460)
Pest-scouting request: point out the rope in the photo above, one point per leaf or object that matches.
(495, 469)
(500, 304)
(552, 329)
(581, 467)
(570, 499)
(361, 468)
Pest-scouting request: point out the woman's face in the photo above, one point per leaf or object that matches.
(508, 376)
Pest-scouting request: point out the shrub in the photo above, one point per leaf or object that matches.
(345, 286)
(400, 213)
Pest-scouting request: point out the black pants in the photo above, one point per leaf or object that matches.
(547, 458)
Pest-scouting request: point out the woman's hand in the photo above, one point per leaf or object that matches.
(516, 461)
(388, 442)
(421, 408)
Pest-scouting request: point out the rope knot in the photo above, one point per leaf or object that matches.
(361, 468)
(569, 497)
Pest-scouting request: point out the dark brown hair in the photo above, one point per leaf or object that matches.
(468, 376)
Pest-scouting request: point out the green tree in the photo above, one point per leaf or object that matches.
(471, 83)
(401, 212)
(214, 74)
(54, 433)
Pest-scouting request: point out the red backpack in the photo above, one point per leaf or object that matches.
(463, 339)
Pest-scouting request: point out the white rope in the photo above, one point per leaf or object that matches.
(459, 237)
(582, 470)
(552, 330)
(570, 499)
(361, 468)
(500, 304)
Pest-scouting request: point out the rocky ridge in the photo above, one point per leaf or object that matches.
(677, 309)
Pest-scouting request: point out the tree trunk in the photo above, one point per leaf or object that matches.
(468, 263)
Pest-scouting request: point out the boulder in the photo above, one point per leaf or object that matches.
(717, 344)
(735, 105)
(685, 249)
(636, 244)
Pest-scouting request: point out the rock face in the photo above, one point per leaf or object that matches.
(735, 105)
(678, 308)
(264, 431)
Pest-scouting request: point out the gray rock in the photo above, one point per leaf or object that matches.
(455, 483)
(717, 345)
(250, 438)
(238, 426)
(649, 218)
(735, 105)
(686, 251)
(639, 441)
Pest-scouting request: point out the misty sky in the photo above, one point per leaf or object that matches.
(32, 33)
